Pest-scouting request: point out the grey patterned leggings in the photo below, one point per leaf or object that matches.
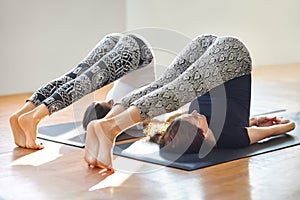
(205, 63)
(114, 56)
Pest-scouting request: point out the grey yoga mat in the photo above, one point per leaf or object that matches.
(216, 156)
(73, 133)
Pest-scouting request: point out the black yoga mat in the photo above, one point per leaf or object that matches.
(73, 134)
(192, 161)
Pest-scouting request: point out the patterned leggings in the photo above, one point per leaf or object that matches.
(205, 63)
(114, 56)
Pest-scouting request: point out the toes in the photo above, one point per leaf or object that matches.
(90, 161)
(40, 146)
(111, 170)
(97, 164)
(100, 165)
(35, 146)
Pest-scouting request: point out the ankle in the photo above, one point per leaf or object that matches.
(39, 113)
(27, 117)
(112, 129)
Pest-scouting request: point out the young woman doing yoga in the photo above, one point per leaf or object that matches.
(214, 75)
(113, 57)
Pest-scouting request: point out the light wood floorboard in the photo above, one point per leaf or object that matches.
(59, 171)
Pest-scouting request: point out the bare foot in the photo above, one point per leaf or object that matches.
(107, 142)
(29, 126)
(100, 132)
(91, 145)
(19, 135)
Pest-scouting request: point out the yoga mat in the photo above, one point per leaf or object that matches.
(73, 134)
(149, 152)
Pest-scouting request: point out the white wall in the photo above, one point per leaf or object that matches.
(269, 28)
(42, 39)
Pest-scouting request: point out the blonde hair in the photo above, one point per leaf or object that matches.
(155, 129)
(171, 135)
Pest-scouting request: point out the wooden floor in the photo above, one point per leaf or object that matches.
(59, 171)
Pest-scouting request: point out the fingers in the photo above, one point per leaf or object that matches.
(265, 121)
(269, 121)
(281, 120)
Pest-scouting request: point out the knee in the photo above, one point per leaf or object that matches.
(112, 36)
(147, 54)
(205, 39)
(233, 42)
(236, 46)
(209, 37)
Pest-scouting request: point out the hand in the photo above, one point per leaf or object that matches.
(269, 121)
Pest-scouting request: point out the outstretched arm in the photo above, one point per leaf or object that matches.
(259, 131)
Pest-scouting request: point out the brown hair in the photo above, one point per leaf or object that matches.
(180, 137)
(93, 112)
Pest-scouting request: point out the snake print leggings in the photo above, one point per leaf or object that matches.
(205, 63)
(114, 56)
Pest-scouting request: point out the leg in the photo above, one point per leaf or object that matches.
(185, 58)
(130, 53)
(126, 56)
(226, 59)
(117, 109)
(104, 46)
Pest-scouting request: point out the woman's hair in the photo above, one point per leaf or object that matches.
(180, 137)
(95, 111)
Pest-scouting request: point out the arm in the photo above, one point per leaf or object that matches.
(257, 133)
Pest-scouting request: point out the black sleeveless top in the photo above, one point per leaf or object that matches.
(227, 109)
